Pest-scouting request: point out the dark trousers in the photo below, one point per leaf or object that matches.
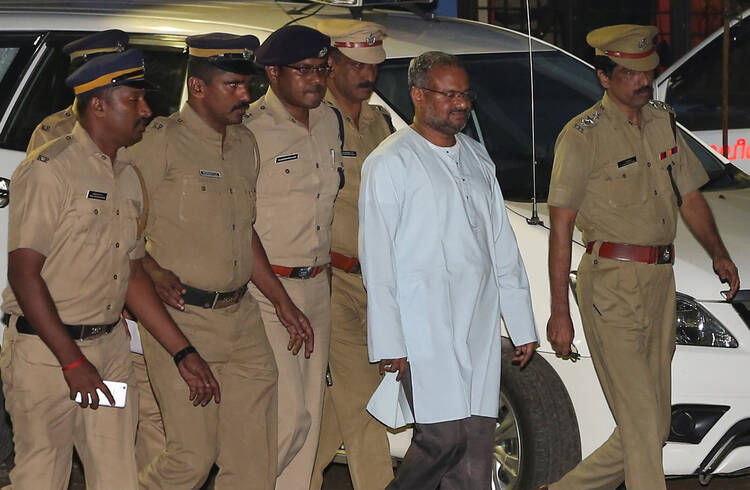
(453, 455)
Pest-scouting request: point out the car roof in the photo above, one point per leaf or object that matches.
(408, 34)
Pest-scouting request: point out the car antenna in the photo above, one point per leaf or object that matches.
(534, 220)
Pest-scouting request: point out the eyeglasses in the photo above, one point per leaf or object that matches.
(469, 95)
(322, 70)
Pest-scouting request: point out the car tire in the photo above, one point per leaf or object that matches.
(6, 433)
(537, 434)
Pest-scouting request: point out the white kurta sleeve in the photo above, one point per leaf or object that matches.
(380, 201)
(515, 296)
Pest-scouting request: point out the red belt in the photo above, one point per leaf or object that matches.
(346, 264)
(307, 272)
(635, 253)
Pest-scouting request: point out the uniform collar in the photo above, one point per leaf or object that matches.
(83, 138)
(620, 117)
(280, 114)
(195, 123)
(366, 113)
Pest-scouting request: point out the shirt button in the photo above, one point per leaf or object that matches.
(203, 187)
(104, 157)
(655, 192)
(114, 277)
(96, 211)
(117, 212)
(286, 171)
(648, 164)
(109, 307)
(231, 191)
(235, 263)
(624, 176)
(317, 165)
(117, 245)
(663, 220)
(318, 196)
(233, 227)
(317, 227)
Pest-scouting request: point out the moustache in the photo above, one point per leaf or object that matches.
(646, 89)
(142, 121)
(460, 111)
(315, 89)
(367, 84)
(242, 105)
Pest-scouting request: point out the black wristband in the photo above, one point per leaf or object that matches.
(183, 354)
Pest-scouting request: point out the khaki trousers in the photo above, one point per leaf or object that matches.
(451, 455)
(149, 437)
(628, 312)
(238, 434)
(345, 416)
(301, 381)
(47, 424)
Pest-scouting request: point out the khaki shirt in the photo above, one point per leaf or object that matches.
(616, 174)
(202, 199)
(358, 143)
(53, 126)
(300, 175)
(73, 206)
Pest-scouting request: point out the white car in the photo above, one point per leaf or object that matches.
(692, 85)
(553, 412)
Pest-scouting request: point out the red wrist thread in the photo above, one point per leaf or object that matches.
(75, 364)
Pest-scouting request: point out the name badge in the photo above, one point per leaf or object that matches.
(627, 161)
(212, 174)
(286, 158)
(102, 196)
(349, 153)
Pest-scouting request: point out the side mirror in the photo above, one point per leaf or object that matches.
(4, 192)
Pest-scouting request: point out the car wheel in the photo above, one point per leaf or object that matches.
(536, 435)
(6, 434)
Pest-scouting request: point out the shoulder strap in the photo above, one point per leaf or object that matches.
(341, 125)
(144, 212)
(388, 121)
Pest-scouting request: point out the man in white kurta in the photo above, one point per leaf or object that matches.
(441, 266)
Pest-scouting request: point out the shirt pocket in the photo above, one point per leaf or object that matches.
(283, 174)
(200, 198)
(623, 179)
(93, 220)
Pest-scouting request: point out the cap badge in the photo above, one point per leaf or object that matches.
(247, 54)
(643, 44)
(323, 51)
(370, 39)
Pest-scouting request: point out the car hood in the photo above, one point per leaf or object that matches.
(694, 273)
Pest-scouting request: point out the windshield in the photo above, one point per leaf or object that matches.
(564, 87)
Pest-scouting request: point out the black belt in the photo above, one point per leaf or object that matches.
(212, 299)
(76, 332)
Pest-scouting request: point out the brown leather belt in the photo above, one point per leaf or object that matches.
(307, 272)
(212, 299)
(663, 254)
(346, 264)
(76, 332)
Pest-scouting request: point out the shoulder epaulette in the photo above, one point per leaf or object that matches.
(663, 106)
(53, 148)
(587, 121)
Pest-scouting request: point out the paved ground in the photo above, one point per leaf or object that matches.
(337, 478)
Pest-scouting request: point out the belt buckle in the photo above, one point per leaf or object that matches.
(94, 331)
(666, 255)
(305, 272)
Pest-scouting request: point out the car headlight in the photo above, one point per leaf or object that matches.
(695, 325)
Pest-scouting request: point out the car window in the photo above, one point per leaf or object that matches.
(694, 88)
(564, 87)
(16, 50)
(47, 93)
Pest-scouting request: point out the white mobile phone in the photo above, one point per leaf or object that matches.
(118, 389)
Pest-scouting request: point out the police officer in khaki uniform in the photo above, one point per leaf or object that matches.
(80, 51)
(621, 173)
(300, 175)
(74, 262)
(200, 166)
(357, 50)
